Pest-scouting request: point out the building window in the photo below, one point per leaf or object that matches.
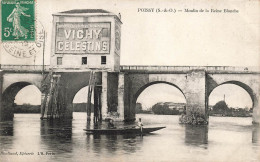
(103, 60)
(59, 60)
(84, 61)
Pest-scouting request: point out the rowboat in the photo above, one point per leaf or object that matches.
(133, 130)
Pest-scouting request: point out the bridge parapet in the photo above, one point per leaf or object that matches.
(47, 68)
(126, 68)
(184, 69)
(24, 68)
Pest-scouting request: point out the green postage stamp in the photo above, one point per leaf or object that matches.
(18, 20)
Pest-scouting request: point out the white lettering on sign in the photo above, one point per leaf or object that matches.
(104, 45)
(80, 34)
(96, 32)
(90, 34)
(78, 46)
(82, 38)
(67, 34)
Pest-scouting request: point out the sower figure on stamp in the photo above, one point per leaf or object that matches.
(18, 29)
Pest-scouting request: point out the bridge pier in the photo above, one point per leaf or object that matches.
(106, 95)
(120, 108)
(11, 83)
(256, 116)
(104, 107)
(97, 104)
(195, 92)
(256, 108)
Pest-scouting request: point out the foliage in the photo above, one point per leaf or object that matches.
(220, 107)
(163, 109)
(27, 108)
(194, 119)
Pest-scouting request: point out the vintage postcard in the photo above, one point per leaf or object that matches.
(122, 80)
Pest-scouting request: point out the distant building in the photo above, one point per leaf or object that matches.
(176, 106)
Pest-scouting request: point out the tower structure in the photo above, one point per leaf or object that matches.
(85, 51)
(86, 39)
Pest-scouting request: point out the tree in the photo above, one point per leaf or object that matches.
(220, 107)
(161, 109)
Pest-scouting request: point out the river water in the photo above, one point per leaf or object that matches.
(27, 138)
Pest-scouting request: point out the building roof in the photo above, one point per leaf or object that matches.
(87, 12)
(80, 11)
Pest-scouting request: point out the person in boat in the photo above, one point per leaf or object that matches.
(111, 124)
(140, 124)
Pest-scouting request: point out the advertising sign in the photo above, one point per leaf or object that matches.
(82, 38)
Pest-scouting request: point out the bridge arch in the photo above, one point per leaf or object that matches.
(247, 88)
(8, 98)
(145, 86)
(76, 90)
(79, 101)
(71, 91)
(252, 90)
(137, 94)
(11, 91)
(80, 91)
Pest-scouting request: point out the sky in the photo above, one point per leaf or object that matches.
(175, 39)
(150, 38)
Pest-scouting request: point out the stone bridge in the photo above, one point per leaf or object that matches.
(123, 88)
(196, 84)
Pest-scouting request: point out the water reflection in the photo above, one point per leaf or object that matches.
(56, 136)
(58, 128)
(196, 135)
(69, 142)
(6, 128)
(111, 143)
(132, 144)
(6, 135)
(255, 134)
